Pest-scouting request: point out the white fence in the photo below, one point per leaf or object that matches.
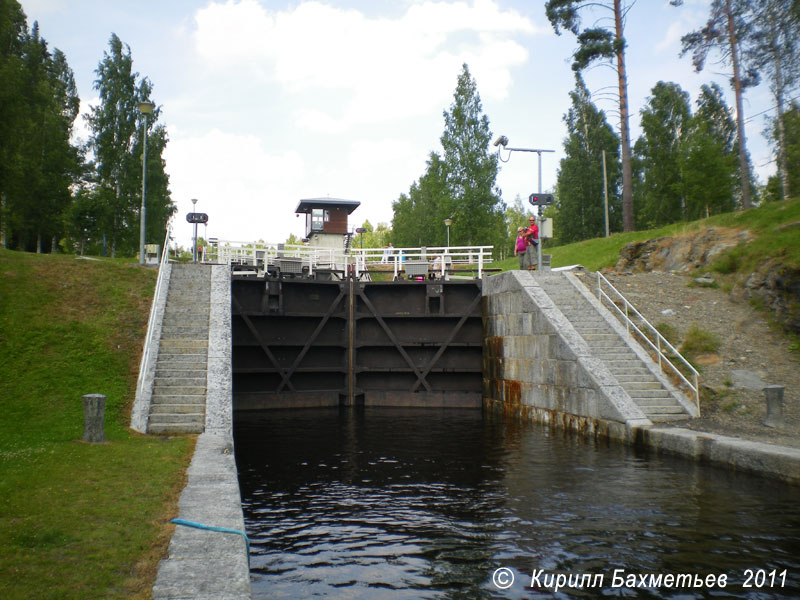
(439, 261)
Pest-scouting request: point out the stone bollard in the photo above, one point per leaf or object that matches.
(774, 395)
(94, 408)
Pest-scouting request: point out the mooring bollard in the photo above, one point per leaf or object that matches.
(94, 409)
(774, 395)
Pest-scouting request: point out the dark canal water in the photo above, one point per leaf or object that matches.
(394, 504)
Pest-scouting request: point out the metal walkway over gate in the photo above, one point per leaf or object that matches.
(303, 342)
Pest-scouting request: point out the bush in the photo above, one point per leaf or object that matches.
(698, 342)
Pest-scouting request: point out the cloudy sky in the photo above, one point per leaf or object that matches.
(268, 102)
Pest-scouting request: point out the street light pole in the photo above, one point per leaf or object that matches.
(503, 141)
(447, 223)
(145, 108)
(194, 242)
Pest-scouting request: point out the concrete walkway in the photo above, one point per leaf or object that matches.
(208, 565)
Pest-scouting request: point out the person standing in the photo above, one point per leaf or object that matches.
(532, 241)
(520, 247)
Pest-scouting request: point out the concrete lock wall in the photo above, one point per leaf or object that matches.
(537, 365)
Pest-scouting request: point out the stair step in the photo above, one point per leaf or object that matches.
(181, 372)
(660, 418)
(199, 399)
(633, 386)
(192, 332)
(177, 409)
(177, 343)
(637, 378)
(176, 390)
(194, 381)
(662, 410)
(185, 357)
(168, 428)
(646, 394)
(657, 401)
(171, 363)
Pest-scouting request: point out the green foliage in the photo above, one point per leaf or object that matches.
(775, 53)
(602, 44)
(77, 520)
(709, 156)
(459, 185)
(579, 203)
(373, 237)
(38, 164)
(668, 331)
(697, 342)
(419, 215)
(791, 126)
(471, 170)
(658, 151)
(731, 45)
(117, 142)
(774, 225)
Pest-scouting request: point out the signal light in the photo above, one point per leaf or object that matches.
(361, 229)
(541, 199)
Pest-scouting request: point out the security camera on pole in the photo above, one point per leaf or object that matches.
(502, 141)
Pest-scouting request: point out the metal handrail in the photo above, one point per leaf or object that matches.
(441, 258)
(660, 339)
(148, 345)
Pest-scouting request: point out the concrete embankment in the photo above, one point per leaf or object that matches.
(203, 564)
(538, 368)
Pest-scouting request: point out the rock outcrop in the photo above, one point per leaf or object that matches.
(775, 286)
(681, 253)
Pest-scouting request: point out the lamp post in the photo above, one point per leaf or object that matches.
(502, 141)
(194, 242)
(145, 108)
(447, 222)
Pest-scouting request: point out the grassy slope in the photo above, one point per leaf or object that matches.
(77, 520)
(767, 222)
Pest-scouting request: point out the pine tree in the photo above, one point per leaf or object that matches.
(726, 31)
(775, 52)
(600, 44)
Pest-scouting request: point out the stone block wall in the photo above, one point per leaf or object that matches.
(536, 365)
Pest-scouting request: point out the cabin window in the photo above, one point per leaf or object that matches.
(318, 216)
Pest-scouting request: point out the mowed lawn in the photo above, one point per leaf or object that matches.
(78, 520)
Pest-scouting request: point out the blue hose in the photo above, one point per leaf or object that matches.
(219, 529)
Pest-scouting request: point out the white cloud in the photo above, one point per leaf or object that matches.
(247, 192)
(389, 68)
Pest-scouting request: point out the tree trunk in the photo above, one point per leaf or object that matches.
(38, 243)
(783, 171)
(744, 166)
(624, 130)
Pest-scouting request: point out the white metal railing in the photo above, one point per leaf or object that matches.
(148, 341)
(660, 341)
(440, 260)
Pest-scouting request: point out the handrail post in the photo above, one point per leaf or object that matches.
(658, 343)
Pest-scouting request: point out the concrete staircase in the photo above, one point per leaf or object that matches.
(179, 391)
(644, 388)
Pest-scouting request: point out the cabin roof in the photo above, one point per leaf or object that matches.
(306, 205)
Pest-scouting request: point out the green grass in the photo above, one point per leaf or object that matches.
(78, 520)
(698, 341)
(775, 225)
